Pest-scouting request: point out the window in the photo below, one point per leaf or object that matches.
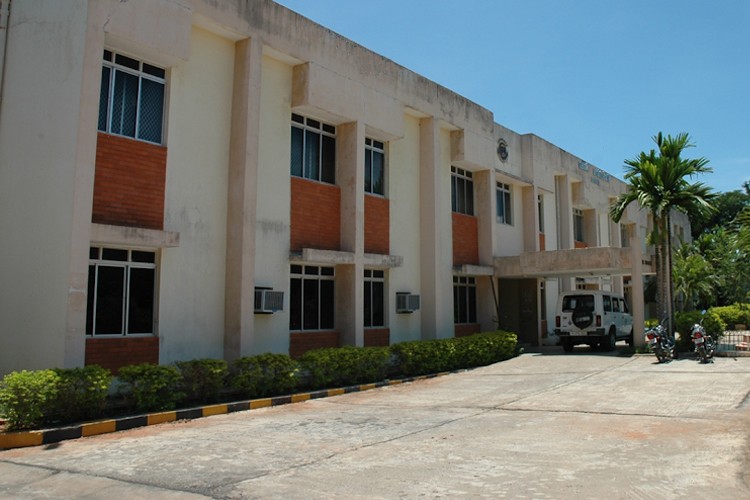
(462, 191)
(464, 300)
(131, 100)
(504, 204)
(374, 167)
(311, 300)
(120, 292)
(607, 302)
(374, 292)
(578, 224)
(313, 150)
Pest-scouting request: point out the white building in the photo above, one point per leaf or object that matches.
(163, 162)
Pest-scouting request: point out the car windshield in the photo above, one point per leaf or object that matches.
(572, 302)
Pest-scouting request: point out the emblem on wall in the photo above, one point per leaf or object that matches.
(502, 150)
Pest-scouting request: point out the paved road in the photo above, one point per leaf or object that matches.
(539, 426)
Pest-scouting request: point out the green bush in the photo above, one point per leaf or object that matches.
(434, 356)
(340, 366)
(82, 393)
(264, 375)
(202, 379)
(26, 397)
(151, 387)
(735, 314)
(711, 321)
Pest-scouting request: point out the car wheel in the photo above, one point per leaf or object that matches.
(611, 340)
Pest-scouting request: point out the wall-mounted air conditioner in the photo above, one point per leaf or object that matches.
(406, 302)
(268, 301)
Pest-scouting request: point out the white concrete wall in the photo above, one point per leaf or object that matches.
(272, 232)
(47, 137)
(404, 196)
(191, 293)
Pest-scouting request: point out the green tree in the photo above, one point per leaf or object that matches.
(727, 206)
(658, 181)
(695, 279)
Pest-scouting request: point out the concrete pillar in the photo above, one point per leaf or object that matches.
(239, 316)
(530, 210)
(350, 177)
(485, 209)
(636, 284)
(564, 206)
(436, 250)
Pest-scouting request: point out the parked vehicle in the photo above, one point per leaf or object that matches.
(596, 318)
(705, 346)
(661, 343)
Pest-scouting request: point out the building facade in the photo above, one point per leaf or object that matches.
(197, 178)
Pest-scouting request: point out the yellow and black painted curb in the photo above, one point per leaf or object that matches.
(9, 440)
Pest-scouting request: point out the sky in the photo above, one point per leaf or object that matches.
(597, 78)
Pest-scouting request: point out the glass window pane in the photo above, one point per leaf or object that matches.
(378, 311)
(454, 194)
(368, 303)
(456, 307)
(141, 301)
(104, 100)
(312, 155)
(469, 198)
(139, 256)
(114, 254)
(124, 104)
(295, 304)
(500, 206)
(378, 173)
(326, 271)
(508, 207)
(462, 301)
(297, 118)
(472, 304)
(153, 71)
(310, 304)
(90, 301)
(110, 294)
(368, 171)
(461, 195)
(313, 123)
(327, 304)
(151, 114)
(127, 62)
(297, 152)
(329, 160)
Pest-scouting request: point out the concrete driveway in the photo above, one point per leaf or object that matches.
(585, 425)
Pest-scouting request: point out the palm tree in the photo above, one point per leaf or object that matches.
(694, 277)
(658, 181)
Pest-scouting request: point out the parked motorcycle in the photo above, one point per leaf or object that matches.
(705, 346)
(661, 343)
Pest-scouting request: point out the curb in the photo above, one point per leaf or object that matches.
(22, 439)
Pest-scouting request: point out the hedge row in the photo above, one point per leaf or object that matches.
(716, 321)
(30, 399)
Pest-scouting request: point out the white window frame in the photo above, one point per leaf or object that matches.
(328, 275)
(374, 148)
(145, 71)
(462, 180)
(320, 129)
(374, 276)
(504, 208)
(469, 283)
(96, 263)
(578, 225)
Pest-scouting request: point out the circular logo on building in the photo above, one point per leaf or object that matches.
(502, 150)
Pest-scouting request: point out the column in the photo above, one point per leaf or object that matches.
(241, 200)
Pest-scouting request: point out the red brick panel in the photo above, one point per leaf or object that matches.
(580, 244)
(377, 337)
(301, 342)
(466, 330)
(541, 242)
(465, 240)
(377, 225)
(114, 353)
(316, 215)
(129, 182)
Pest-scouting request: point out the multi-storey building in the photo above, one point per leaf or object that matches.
(200, 178)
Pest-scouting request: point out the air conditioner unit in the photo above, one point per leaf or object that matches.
(268, 301)
(406, 302)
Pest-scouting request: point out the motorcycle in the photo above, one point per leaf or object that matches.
(660, 343)
(705, 346)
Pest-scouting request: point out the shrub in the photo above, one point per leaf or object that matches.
(264, 375)
(202, 379)
(711, 321)
(27, 396)
(151, 387)
(734, 315)
(434, 356)
(82, 393)
(335, 367)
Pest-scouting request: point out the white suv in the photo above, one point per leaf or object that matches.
(595, 318)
